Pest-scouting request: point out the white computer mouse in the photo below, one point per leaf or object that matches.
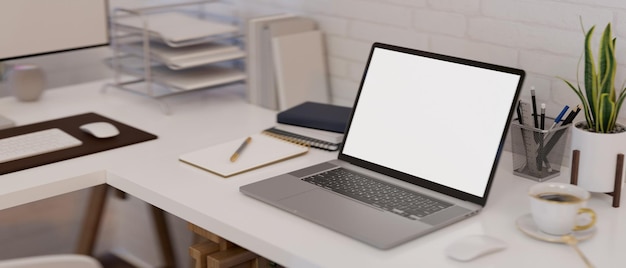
(473, 246)
(100, 129)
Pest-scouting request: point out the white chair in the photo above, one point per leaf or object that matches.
(52, 261)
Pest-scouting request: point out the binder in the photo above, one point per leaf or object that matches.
(300, 65)
(262, 150)
(301, 139)
(260, 84)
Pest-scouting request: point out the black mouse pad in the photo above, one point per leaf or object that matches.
(128, 135)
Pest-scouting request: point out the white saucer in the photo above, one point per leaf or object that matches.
(526, 224)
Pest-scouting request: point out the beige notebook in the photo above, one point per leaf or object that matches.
(261, 151)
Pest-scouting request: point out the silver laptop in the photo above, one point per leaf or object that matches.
(420, 150)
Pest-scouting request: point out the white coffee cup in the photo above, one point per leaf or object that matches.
(558, 207)
(26, 81)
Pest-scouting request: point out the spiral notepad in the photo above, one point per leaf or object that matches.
(296, 138)
(261, 151)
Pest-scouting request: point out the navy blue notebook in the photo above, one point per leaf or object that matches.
(316, 115)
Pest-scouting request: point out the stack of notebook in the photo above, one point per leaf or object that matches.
(318, 125)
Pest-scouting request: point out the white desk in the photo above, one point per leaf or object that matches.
(151, 171)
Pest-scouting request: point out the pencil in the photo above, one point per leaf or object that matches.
(543, 116)
(534, 102)
(570, 117)
(558, 117)
(243, 145)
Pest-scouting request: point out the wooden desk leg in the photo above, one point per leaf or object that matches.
(224, 244)
(164, 238)
(91, 222)
(200, 251)
(218, 252)
(260, 262)
(233, 257)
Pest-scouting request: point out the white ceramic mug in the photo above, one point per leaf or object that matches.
(26, 81)
(557, 207)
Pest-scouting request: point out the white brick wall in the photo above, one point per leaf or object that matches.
(543, 37)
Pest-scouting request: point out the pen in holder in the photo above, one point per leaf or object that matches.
(538, 154)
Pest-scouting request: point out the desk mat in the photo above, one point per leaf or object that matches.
(128, 135)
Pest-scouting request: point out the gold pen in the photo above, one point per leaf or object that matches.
(235, 155)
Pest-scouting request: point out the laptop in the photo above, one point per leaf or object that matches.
(426, 133)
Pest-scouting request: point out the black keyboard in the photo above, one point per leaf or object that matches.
(377, 193)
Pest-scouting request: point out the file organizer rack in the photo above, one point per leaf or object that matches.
(165, 50)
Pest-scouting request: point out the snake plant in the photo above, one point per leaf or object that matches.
(600, 102)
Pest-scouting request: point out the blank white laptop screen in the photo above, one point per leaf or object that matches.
(456, 124)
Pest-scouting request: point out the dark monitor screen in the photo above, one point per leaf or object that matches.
(36, 27)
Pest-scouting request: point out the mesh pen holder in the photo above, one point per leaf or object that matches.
(538, 154)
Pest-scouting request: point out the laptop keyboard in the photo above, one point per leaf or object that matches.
(377, 193)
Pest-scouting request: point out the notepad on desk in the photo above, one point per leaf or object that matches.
(261, 151)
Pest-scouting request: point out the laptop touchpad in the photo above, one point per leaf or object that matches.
(355, 219)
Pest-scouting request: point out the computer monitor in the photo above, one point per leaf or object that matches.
(37, 27)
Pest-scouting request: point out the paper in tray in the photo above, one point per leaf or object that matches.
(196, 78)
(177, 27)
(177, 58)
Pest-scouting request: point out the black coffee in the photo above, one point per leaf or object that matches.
(559, 197)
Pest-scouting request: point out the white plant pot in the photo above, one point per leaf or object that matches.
(598, 158)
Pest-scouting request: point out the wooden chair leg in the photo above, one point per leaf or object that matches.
(91, 222)
(164, 238)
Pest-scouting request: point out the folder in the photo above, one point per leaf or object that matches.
(262, 84)
(261, 151)
(301, 75)
(261, 90)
